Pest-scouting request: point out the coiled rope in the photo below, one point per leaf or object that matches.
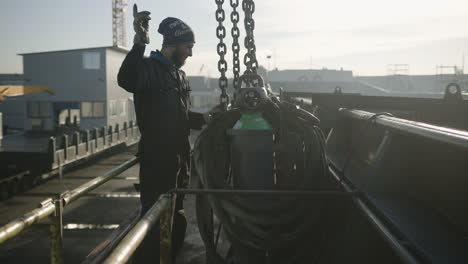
(267, 225)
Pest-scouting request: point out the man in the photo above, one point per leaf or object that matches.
(161, 96)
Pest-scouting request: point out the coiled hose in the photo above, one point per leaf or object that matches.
(276, 223)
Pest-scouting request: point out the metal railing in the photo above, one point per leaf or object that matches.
(438, 133)
(161, 210)
(53, 207)
(83, 145)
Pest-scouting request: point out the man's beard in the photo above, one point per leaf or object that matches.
(178, 58)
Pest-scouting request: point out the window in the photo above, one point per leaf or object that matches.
(121, 108)
(44, 109)
(112, 108)
(33, 109)
(37, 124)
(38, 109)
(124, 108)
(92, 109)
(118, 107)
(91, 60)
(87, 109)
(98, 109)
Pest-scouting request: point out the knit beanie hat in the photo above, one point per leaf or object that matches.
(175, 31)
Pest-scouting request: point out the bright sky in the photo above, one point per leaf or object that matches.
(360, 35)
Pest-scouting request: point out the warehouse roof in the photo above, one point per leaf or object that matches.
(117, 48)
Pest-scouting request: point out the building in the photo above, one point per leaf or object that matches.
(86, 91)
(204, 94)
(312, 80)
(12, 79)
(323, 75)
(416, 84)
(8, 79)
(326, 81)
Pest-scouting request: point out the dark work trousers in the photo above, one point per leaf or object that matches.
(159, 174)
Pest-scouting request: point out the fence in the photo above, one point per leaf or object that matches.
(68, 149)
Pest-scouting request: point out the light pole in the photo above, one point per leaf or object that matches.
(268, 69)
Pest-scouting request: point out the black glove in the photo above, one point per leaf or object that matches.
(141, 25)
(217, 109)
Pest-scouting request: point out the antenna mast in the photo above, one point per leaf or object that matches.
(119, 34)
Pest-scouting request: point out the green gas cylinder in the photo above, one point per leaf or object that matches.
(251, 143)
(252, 121)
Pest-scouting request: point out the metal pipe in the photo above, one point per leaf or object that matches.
(47, 207)
(133, 239)
(447, 135)
(18, 225)
(93, 184)
(307, 194)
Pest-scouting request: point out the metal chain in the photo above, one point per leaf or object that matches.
(235, 33)
(250, 58)
(221, 49)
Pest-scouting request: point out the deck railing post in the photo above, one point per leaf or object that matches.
(104, 135)
(87, 139)
(60, 167)
(96, 136)
(56, 233)
(117, 131)
(130, 126)
(111, 133)
(77, 142)
(51, 151)
(65, 146)
(166, 232)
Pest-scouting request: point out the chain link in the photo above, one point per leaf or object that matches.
(250, 58)
(235, 33)
(221, 50)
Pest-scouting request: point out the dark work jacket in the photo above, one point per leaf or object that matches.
(161, 96)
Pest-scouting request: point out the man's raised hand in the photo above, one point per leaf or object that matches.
(141, 26)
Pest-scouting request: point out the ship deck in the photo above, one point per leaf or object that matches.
(89, 220)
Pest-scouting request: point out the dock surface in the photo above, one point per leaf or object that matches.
(89, 220)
